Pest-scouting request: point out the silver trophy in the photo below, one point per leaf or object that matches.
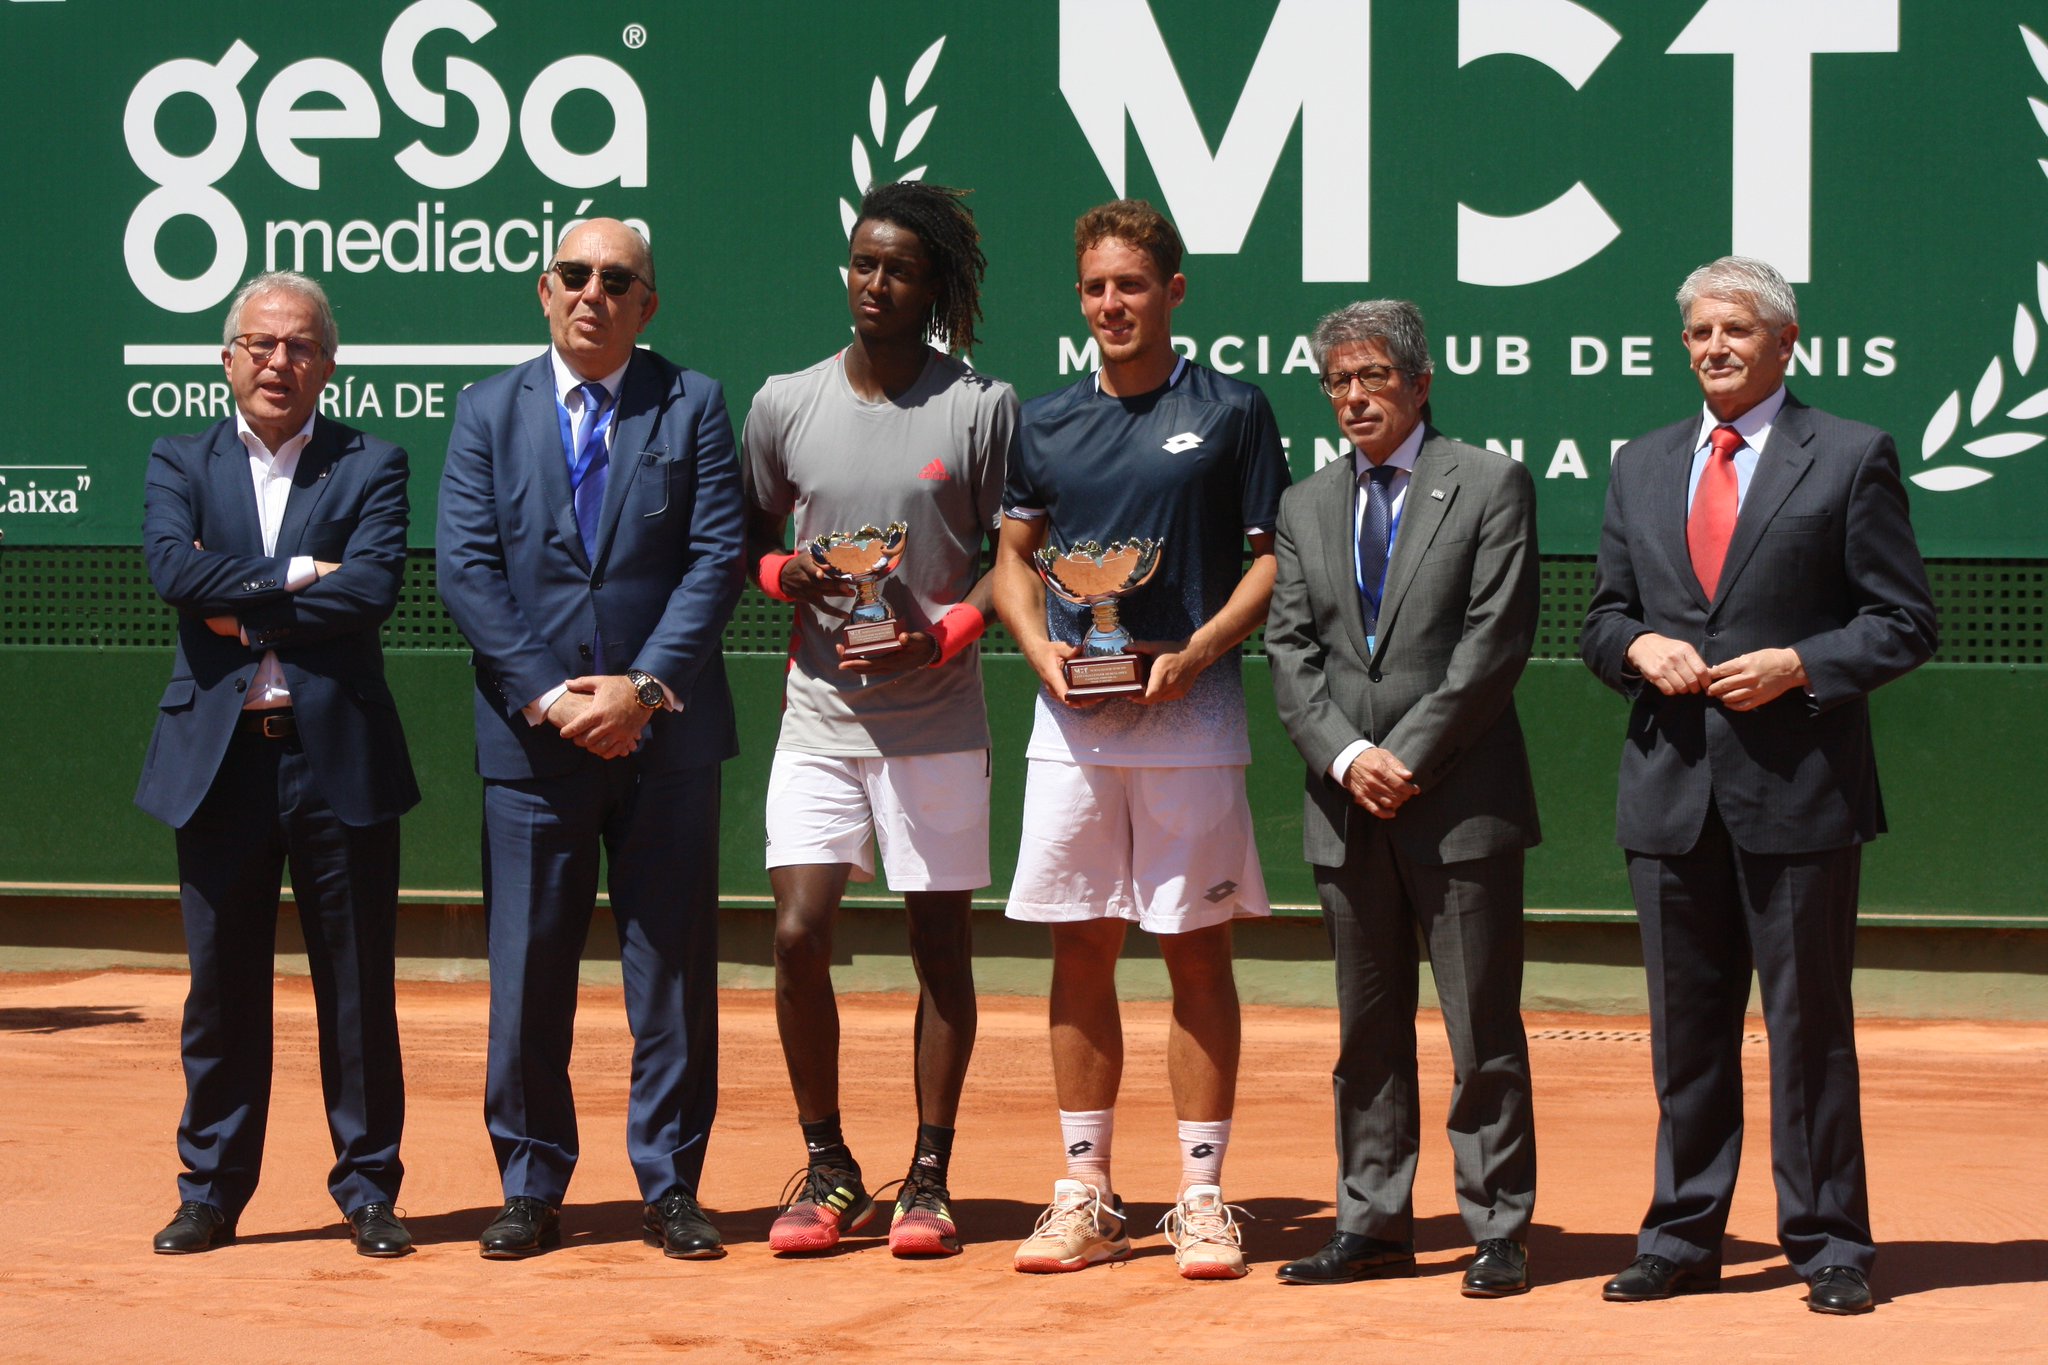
(1090, 576)
(862, 559)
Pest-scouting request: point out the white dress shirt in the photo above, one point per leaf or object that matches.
(272, 473)
(1403, 462)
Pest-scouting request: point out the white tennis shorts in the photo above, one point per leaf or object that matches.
(1168, 848)
(928, 812)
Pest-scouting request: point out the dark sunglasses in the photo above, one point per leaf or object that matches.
(616, 279)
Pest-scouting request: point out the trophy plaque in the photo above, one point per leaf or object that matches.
(862, 559)
(1090, 576)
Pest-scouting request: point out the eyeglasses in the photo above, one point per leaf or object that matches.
(260, 346)
(616, 279)
(1372, 379)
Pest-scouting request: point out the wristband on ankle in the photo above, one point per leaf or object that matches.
(769, 571)
(960, 626)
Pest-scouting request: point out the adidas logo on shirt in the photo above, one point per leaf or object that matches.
(935, 470)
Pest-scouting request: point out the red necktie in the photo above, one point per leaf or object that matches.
(1714, 504)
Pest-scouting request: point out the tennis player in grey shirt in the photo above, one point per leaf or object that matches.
(888, 749)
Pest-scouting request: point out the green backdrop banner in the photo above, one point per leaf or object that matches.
(1537, 174)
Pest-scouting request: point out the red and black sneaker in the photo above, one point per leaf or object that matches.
(821, 1205)
(923, 1221)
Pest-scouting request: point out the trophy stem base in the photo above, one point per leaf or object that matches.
(1105, 675)
(867, 638)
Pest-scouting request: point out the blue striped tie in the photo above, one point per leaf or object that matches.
(1373, 540)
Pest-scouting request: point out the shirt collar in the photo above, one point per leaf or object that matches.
(1753, 426)
(567, 380)
(1180, 367)
(286, 457)
(1403, 457)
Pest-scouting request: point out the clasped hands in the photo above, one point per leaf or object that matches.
(601, 712)
(1380, 782)
(1742, 683)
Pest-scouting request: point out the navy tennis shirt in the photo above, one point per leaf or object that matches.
(1196, 463)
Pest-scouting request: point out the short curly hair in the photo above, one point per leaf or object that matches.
(1133, 221)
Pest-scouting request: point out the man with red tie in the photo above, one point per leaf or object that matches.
(1758, 578)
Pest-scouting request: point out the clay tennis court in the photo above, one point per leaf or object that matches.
(90, 1091)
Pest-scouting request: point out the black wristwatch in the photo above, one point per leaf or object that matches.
(646, 690)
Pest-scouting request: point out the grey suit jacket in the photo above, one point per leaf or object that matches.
(1454, 634)
(1823, 560)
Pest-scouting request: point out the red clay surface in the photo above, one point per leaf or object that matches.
(90, 1092)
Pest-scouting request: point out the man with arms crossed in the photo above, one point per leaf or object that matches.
(590, 545)
(1134, 809)
(1758, 579)
(1403, 612)
(889, 748)
(279, 537)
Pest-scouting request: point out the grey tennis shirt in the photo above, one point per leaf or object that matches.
(932, 458)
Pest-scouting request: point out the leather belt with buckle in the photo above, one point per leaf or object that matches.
(273, 724)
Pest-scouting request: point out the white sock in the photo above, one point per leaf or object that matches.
(1201, 1152)
(1086, 1133)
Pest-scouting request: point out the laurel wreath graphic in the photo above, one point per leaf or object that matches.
(1990, 390)
(878, 125)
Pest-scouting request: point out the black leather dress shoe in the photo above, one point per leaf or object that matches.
(1349, 1256)
(194, 1227)
(527, 1225)
(1500, 1268)
(376, 1231)
(1839, 1289)
(1653, 1277)
(680, 1229)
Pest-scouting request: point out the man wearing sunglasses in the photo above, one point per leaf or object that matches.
(589, 548)
(279, 538)
(1402, 616)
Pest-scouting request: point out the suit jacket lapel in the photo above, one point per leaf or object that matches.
(541, 424)
(1422, 513)
(1668, 489)
(231, 524)
(1337, 523)
(1780, 465)
(309, 482)
(632, 430)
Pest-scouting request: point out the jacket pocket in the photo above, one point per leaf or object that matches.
(179, 695)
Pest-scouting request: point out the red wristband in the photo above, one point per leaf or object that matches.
(769, 572)
(960, 626)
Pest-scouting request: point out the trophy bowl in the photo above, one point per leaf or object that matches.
(862, 559)
(1089, 575)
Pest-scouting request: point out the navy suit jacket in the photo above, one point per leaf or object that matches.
(1823, 561)
(347, 504)
(662, 582)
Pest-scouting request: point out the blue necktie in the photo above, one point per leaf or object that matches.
(1374, 538)
(589, 462)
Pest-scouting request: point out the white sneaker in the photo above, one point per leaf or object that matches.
(1076, 1231)
(1203, 1231)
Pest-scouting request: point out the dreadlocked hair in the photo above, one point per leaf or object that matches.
(944, 224)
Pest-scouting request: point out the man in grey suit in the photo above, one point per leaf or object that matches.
(1401, 619)
(1758, 577)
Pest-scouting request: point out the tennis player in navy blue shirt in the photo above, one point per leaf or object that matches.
(1134, 807)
